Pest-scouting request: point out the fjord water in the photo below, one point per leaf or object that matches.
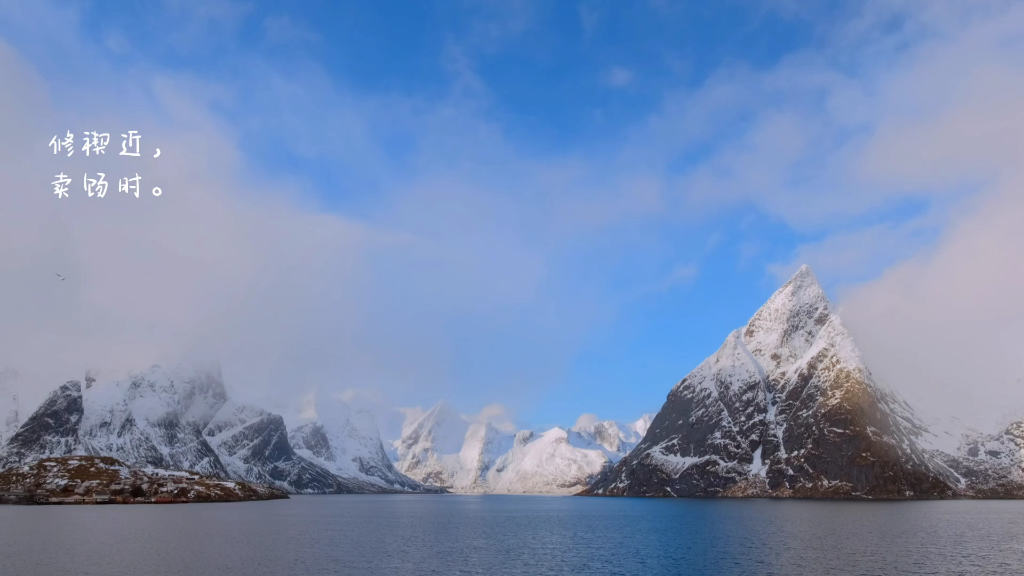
(515, 535)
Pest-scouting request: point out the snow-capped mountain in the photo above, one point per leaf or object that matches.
(180, 418)
(347, 443)
(786, 407)
(443, 448)
(155, 417)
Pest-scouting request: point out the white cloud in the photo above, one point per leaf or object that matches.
(944, 327)
(618, 77)
(590, 16)
(683, 274)
(586, 420)
(496, 415)
(856, 255)
(230, 265)
(282, 29)
(410, 416)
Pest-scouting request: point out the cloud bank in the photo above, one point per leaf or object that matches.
(465, 266)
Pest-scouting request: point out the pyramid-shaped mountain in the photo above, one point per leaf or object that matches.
(786, 407)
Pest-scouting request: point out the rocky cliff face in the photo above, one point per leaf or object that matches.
(786, 407)
(990, 465)
(181, 418)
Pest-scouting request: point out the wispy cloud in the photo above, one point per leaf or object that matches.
(618, 77)
(682, 274)
(590, 14)
(283, 29)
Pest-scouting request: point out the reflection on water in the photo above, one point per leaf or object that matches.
(515, 535)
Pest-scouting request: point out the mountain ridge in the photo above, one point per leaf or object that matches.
(181, 418)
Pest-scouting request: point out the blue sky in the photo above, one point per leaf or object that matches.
(596, 193)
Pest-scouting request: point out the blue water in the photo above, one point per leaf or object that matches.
(514, 535)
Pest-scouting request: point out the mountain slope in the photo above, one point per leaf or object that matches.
(51, 431)
(786, 407)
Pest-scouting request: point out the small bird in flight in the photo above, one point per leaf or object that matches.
(61, 277)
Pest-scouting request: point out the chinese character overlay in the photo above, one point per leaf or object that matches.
(95, 143)
(131, 139)
(125, 185)
(97, 186)
(60, 185)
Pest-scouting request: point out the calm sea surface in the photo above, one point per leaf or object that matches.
(514, 535)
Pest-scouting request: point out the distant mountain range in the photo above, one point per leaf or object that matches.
(785, 408)
(443, 448)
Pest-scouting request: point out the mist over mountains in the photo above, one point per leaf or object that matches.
(786, 407)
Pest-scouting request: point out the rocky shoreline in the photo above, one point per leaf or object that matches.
(104, 480)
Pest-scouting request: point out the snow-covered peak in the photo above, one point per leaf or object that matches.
(190, 393)
(796, 319)
(345, 425)
(642, 424)
(618, 438)
(200, 389)
(441, 412)
(794, 300)
(802, 287)
(440, 429)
